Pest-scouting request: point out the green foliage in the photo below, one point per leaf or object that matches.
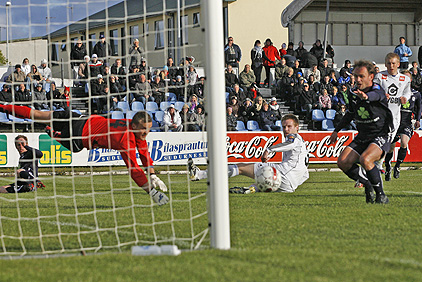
(3, 59)
(323, 232)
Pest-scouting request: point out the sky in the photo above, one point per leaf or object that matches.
(34, 18)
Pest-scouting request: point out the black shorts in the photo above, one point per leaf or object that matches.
(406, 129)
(359, 145)
(21, 187)
(71, 125)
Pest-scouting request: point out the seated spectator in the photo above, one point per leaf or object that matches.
(143, 68)
(143, 92)
(345, 78)
(58, 100)
(300, 51)
(197, 119)
(172, 71)
(416, 79)
(415, 66)
(330, 54)
(324, 69)
(134, 77)
(193, 103)
(283, 50)
(347, 68)
(326, 84)
(185, 115)
(26, 67)
(95, 66)
(259, 101)
(333, 78)
(83, 71)
(40, 98)
(238, 93)
(290, 51)
(45, 72)
(120, 71)
(275, 108)
(297, 89)
(315, 72)
(336, 99)
(313, 85)
(158, 88)
(99, 92)
(231, 120)
(247, 79)
(231, 77)
(281, 70)
(34, 77)
(17, 76)
(6, 94)
(297, 70)
(344, 93)
(352, 82)
(247, 111)
(377, 69)
(308, 101)
(172, 120)
(178, 88)
(234, 105)
(324, 100)
(317, 50)
(116, 91)
(200, 87)
(23, 95)
(339, 116)
(267, 119)
(286, 86)
(191, 79)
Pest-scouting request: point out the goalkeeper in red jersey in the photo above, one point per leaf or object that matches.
(75, 132)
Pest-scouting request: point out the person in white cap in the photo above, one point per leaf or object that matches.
(99, 92)
(83, 70)
(172, 120)
(135, 52)
(45, 72)
(95, 66)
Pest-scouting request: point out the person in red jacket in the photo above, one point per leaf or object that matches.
(76, 132)
(272, 54)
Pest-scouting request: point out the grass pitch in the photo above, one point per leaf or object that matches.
(323, 232)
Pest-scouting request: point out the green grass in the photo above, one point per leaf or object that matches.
(323, 232)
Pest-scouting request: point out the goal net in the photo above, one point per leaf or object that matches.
(90, 202)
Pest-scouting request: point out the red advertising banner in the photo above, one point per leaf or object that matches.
(414, 148)
(249, 146)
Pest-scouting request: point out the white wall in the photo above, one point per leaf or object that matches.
(34, 50)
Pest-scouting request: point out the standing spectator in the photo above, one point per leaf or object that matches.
(308, 100)
(102, 48)
(6, 94)
(158, 88)
(267, 119)
(283, 50)
(231, 77)
(78, 53)
(231, 120)
(17, 76)
(300, 51)
(143, 91)
(172, 120)
(330, 53)
(404, 53)
(324, 69)
(420, 55)
(232, 53)
(191, 78)
(135, 53)
(26, 67)
(257, 57)
(324, 100)
(40, 98)
(247, 111)
(247, 78)
(272, 54)
(290, 51)
(317, 50)
(95, 66)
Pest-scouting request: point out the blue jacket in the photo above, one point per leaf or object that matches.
(401, 50)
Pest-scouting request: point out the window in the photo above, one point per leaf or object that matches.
(170, 36)
(134, 32)
(123, 44)
(114, 43)
(159, 34)
(196, 20)
(91, 42)
(184, 21)
(63, 46)
(73, 42)
(145, 27)
(55, 52)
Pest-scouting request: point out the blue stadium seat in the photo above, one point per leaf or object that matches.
(327, 124)
(3, 117)
(164, 105)
(227, 97)
(171, 97)
(179, 105)
(123, 105)
(117, 115)
(240, 126)
(77, 111)
(15, 119)
(155, 126)
(318, 115)
(130, 114)
(159, 115)
(151, 107)
(330, 114)
(253, 125)
(278, 123)
(137, 106)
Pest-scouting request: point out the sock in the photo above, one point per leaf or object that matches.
(388, 158)
(233, 170)
(356, 173)
(17, 111)
(400, 156)
(374, 176)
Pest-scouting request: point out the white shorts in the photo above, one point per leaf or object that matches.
(285, 185)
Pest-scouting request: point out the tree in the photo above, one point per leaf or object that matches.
(3, 59)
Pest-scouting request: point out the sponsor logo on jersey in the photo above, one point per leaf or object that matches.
(3, 149)
(401, 78)
(392, 89)
(383, 76)
(53, 152)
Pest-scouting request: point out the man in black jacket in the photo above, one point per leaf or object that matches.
(26, 175)
(6, 94)
(102, 48)
(78, 53)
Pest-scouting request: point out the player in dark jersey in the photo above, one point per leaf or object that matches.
(369, 109)
(76, 132)
(28, 168)
(405, 131)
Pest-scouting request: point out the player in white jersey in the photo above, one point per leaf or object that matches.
(293, 167)
(398, 91)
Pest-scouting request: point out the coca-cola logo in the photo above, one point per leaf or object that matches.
(253, 148)
(322, 148)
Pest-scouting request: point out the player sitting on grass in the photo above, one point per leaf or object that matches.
(76, 132)
(28, 168)
(293, 168)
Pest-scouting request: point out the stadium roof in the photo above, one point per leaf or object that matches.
(400, 6)
(130, 9)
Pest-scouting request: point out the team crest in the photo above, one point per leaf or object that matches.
(392, 89)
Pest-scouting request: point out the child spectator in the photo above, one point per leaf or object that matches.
(324, 100)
